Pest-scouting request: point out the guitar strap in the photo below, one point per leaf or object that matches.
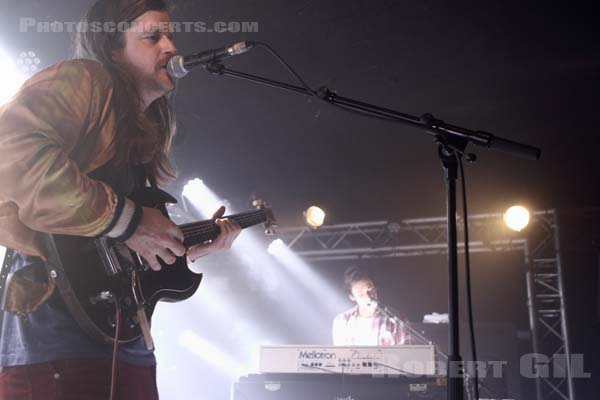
(151, 180)
(141, 312)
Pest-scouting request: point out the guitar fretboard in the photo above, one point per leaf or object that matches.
(202, 231)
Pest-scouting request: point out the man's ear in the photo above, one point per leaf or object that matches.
(351, 297)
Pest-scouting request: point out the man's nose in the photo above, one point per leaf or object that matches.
(169, 46)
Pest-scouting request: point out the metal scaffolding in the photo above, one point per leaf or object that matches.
(540, 244)
(547, 310)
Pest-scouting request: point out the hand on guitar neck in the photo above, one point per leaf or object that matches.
(229, 231)
(158, 236)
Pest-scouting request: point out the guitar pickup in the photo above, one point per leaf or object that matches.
(117, 257)
(107, 253)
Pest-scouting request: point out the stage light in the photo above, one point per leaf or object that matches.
(11, 78)
(276, 247)
(211, 353)
(314, 216)
(202, 197)
(328, 297)
(264, 269)
(516, 218)
(28, 62)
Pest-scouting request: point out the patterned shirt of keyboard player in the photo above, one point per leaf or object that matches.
(350, 329)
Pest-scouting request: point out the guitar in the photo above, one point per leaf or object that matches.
(95, 276)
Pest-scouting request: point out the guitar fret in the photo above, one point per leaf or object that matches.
(202, 231)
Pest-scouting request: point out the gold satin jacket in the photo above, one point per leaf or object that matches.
(56, 129)
(59, 127)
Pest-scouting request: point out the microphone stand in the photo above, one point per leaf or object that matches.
(391, 313)
(452, 141)
(440, 355)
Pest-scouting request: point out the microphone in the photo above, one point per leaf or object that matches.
(372, 293)
(179, 66)
(372, 303)
(390, 313)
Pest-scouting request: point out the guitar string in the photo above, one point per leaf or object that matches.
(194, 231)
(214, 229)
(241, 219)
(240, 215)
(208, 234)
(243, 216)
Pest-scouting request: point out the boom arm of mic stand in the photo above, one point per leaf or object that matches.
(451, 139)
(426, 123)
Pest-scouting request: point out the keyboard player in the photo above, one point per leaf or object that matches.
(366, 324)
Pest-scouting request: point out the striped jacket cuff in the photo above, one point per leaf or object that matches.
(122, 218)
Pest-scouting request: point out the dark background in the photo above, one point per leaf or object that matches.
(525, 71)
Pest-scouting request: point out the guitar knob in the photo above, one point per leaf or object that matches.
(102, 296)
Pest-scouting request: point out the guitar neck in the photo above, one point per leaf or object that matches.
(202, 231)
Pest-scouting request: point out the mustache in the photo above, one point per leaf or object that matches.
(163, 62)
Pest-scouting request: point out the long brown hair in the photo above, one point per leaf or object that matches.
(142, 137)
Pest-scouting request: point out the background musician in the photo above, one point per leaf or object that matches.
(366, 324)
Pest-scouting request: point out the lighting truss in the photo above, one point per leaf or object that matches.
(428, 236)
(409, 237)
(547, 309)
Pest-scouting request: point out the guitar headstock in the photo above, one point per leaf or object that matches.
(270, 222)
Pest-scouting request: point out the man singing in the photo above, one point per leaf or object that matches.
(75, 142)
(366, 324)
